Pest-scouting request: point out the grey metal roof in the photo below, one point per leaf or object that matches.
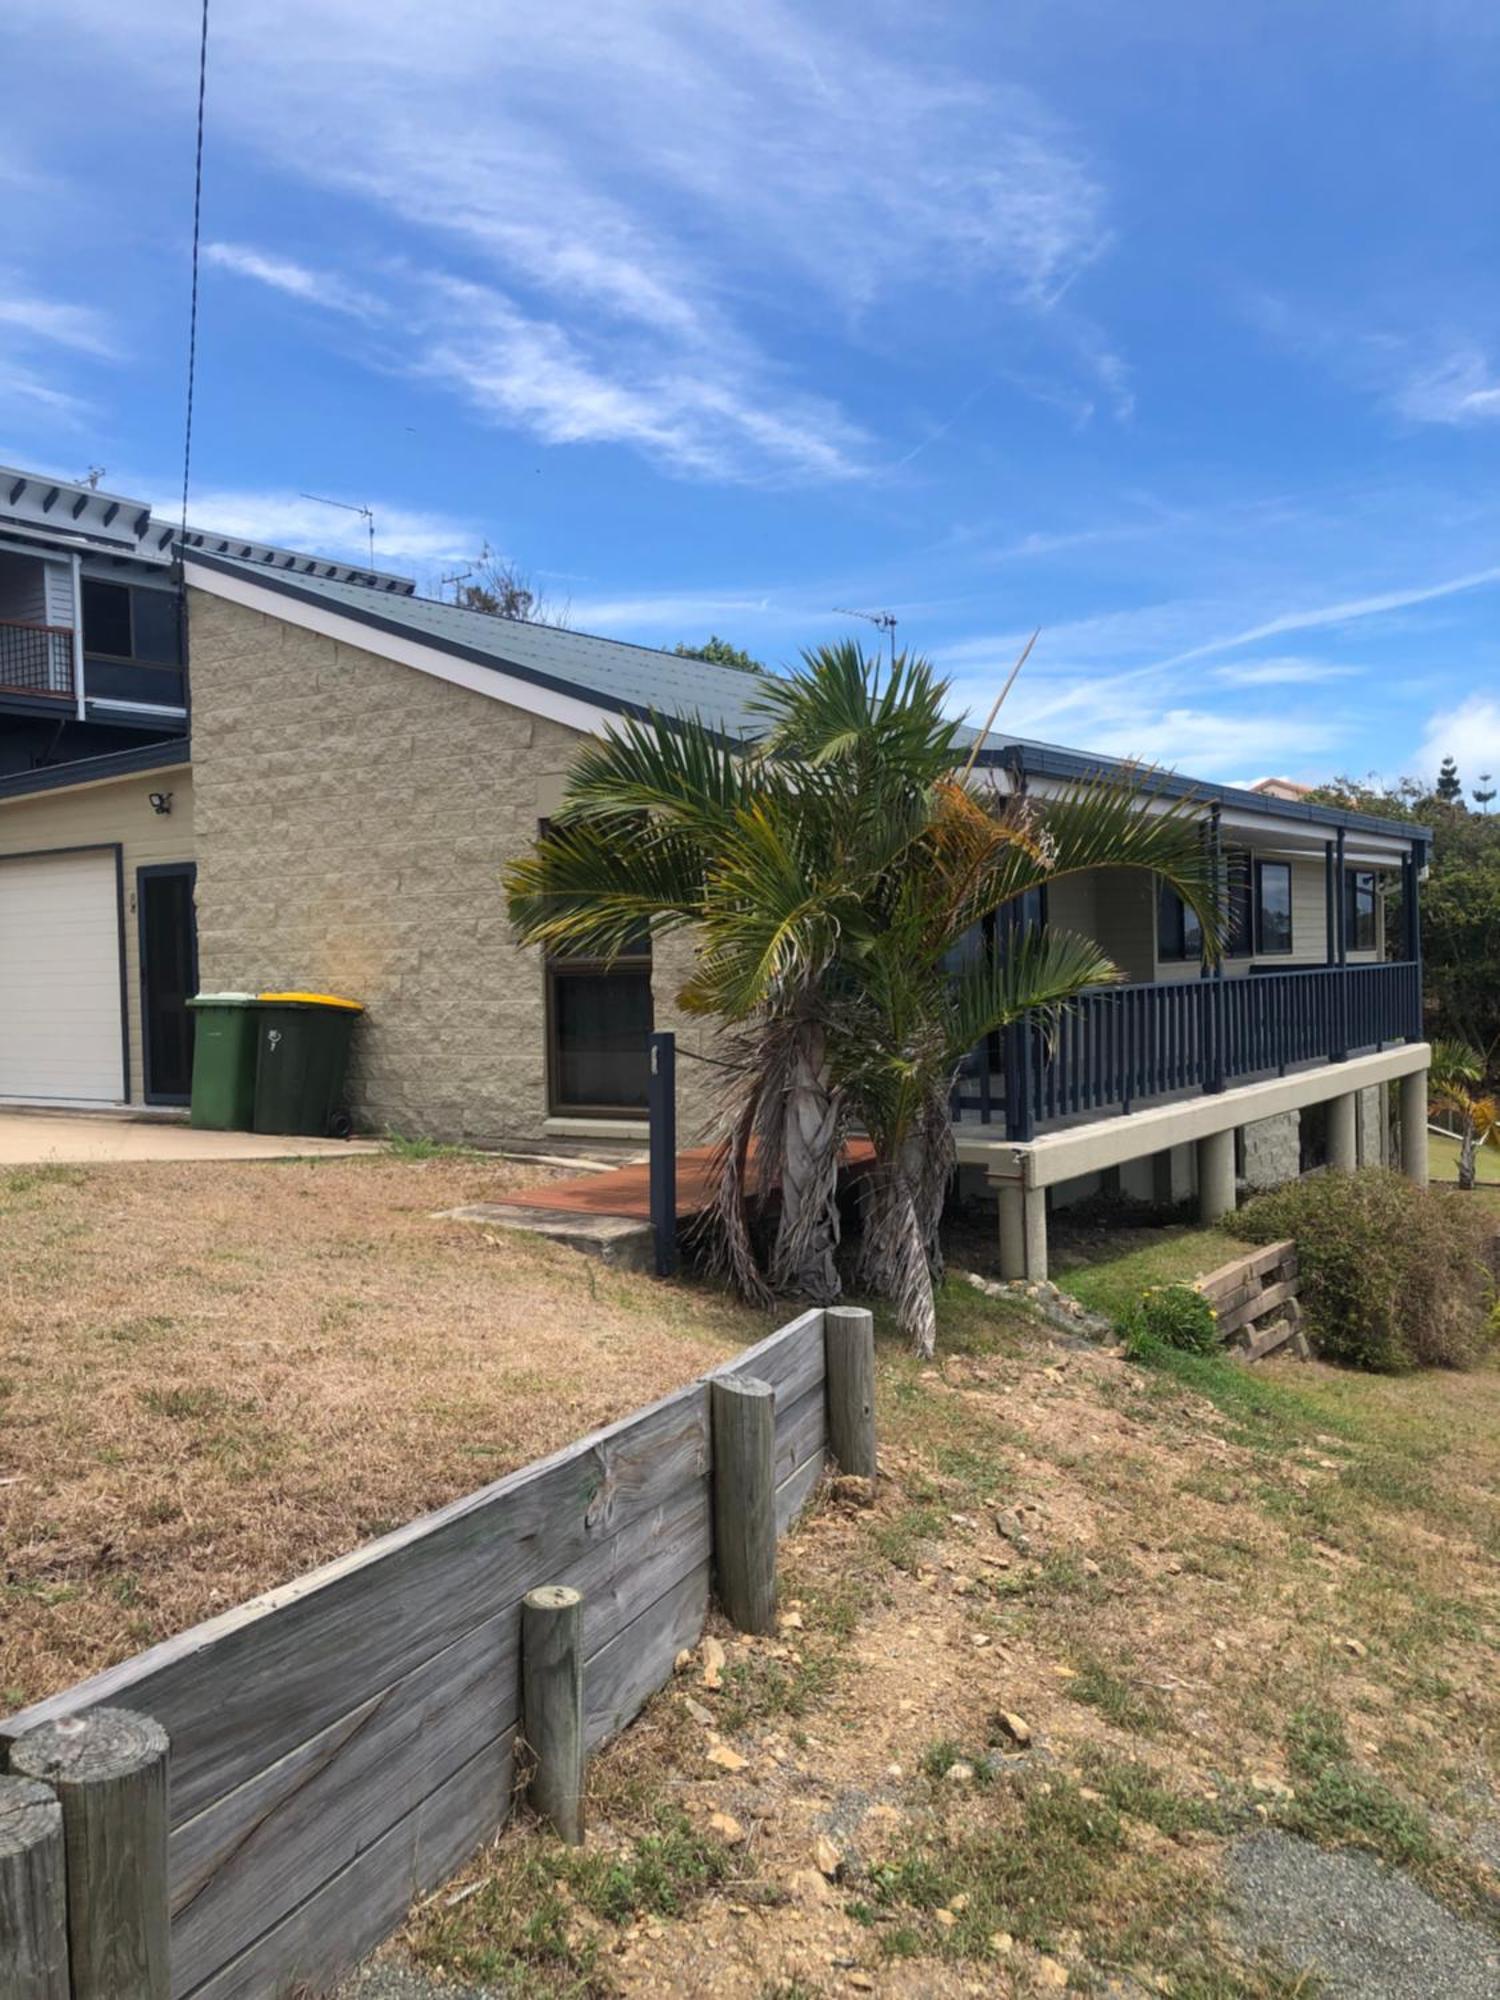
(640, 680)
(613, 674)
(97, 770)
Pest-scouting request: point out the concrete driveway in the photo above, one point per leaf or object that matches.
(40, 1138)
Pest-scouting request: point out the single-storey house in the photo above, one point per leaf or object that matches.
(344, 768)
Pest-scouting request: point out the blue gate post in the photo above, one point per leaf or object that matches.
(661, 1103)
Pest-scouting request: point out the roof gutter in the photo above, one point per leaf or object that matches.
(1040, 760)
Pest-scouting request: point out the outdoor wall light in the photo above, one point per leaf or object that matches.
(161, 802)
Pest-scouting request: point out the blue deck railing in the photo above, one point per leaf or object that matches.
(1116, 1047)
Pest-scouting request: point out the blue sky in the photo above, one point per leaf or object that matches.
(1172, 329)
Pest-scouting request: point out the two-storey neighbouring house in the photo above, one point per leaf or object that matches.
(364, 761)
(97, 925)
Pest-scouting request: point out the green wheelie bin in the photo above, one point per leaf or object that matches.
(301, 1060)
(224, 1061)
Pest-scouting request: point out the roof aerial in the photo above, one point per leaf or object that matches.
(79, 515)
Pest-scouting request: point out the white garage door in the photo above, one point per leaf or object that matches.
(60, 979)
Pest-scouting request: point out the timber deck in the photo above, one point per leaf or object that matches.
(625, 1192)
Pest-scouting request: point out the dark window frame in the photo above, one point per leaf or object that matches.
(1179, 935)
(1262, 949)
(133, 658)
(561, 967)
(155, 871)
(1360, 882)
(1240, 890)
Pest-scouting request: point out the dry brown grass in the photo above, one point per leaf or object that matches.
(215, 1377)
(1204, 1589)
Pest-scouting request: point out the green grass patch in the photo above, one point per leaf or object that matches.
(1442, 1161)
(1339, 1805)
(1121, 1702)
(1139, 1259)
(541, 1918)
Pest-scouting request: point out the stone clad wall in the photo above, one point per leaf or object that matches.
(353, 818)
(1273, 1150)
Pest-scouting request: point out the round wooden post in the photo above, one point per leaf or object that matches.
(849, 1346)
(33, 1892)
(744, 1433)
(552, 1704)
(109, 1770)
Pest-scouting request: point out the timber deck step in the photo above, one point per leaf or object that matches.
(626, 1191)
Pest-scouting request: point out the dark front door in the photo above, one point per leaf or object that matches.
(169, 978)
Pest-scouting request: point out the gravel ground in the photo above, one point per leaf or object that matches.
(388, 1979)
(1366, 1930)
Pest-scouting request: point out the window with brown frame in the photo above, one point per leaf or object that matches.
(598, 1024)
(598, 1027)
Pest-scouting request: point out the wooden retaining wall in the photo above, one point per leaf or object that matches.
(1255, 1301)
(343, 1743)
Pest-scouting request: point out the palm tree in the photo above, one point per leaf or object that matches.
(1454, 1076)
(830, 871)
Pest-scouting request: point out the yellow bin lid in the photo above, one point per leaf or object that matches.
(314, 1000)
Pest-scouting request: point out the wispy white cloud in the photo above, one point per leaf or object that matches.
(1469, 732)
(22, 386)
(1288, 671)
(402, 535)
(298, 281)
(1116, 718)
(1461, 388)
(676, 409)
(649, 189)
(55, 323)
(1422, 372)
(1345, 612)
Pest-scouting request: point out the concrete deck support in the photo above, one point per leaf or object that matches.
(1343, 1132)
(1216, 1190)
(1023, 1231)
(1414, 1127)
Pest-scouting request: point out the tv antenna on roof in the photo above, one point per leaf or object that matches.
(886, 620)
(366, 514)
(459, 576)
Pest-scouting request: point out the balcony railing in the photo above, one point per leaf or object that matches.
(1115, 1048)
(36, 659)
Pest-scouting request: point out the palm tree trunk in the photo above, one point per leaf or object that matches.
(893, 1255)
(805, 1257)
(1466, 1162)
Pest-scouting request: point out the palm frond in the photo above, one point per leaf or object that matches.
(1044, 969)
(588, 888)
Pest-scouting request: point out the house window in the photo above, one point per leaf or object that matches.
(598, 1024)
(106, 619)
(1273, 908)
(124, 624)
(1359, 909)
(598, 1028)
(1179, 935)
(1240, 942)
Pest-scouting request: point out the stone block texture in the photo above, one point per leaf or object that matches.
(353, 817)
(1273, 1150)
(1372, 1126)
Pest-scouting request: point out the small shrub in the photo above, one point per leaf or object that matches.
(1394, 1276)
(1169, 1316)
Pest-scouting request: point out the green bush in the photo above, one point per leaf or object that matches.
(1394, 1276)
(1169, 1316)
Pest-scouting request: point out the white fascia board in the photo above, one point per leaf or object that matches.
(1111, 1142)
(1298, 838)
(570, 710)
(94, 784)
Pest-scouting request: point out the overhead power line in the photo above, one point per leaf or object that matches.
(192, 367)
